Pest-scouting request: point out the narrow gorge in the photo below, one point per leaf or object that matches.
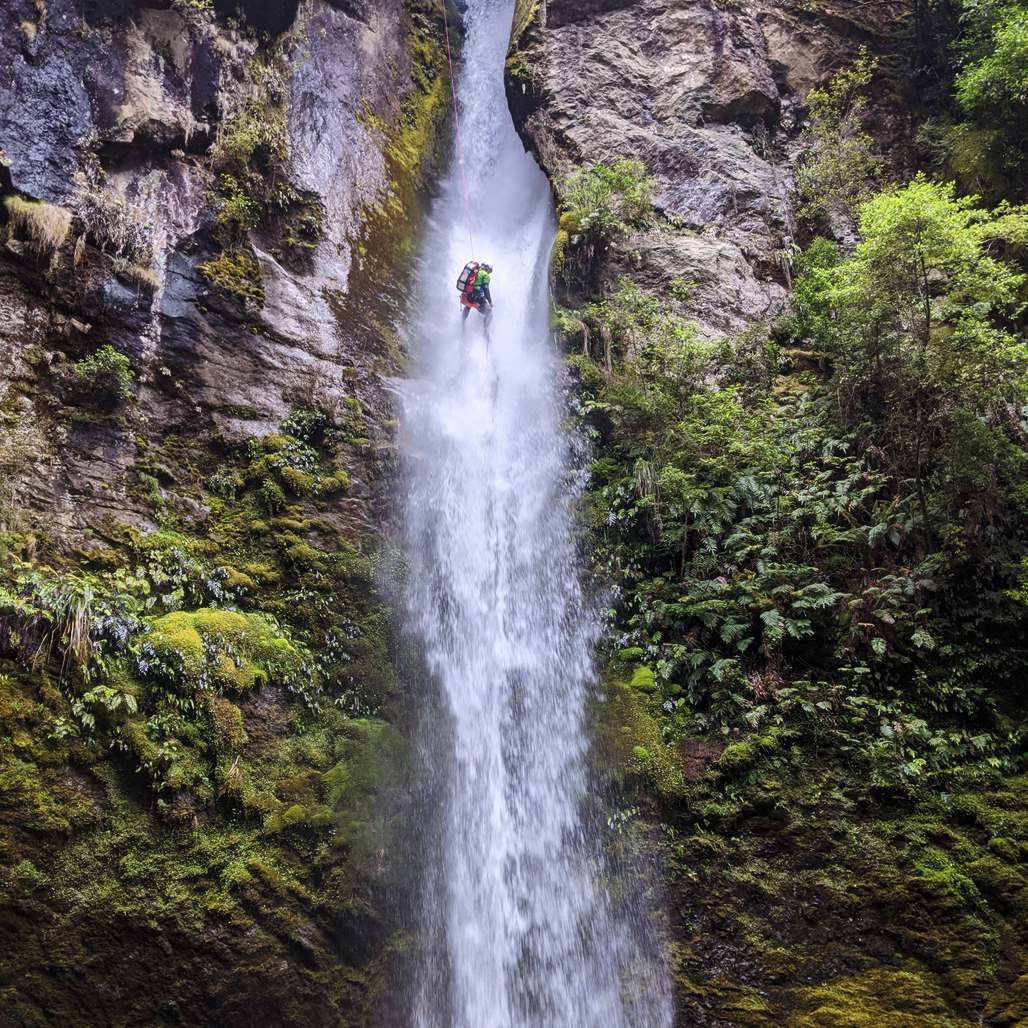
(649, 654)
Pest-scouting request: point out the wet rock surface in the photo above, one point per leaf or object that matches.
(234, 288)
(125, 105)
(709, 96)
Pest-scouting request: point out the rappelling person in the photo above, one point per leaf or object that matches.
(480, 291)
(473, 285)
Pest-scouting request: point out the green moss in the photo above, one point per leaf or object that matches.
(228, 723)
(524, 13)
(222, 648)
(936, 871)
(298, 483)
(884, 996)
(275, 443)
(301, 555)
(237, 273)
(409, 138)
(337, 482)
(1009, 1004)
(629, 741)
(239, 581)
(290, 523)
(737, 755)
(643, 680)
(298, 816)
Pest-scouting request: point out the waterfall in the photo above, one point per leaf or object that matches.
(517, 925)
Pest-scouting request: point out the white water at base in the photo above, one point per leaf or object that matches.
(517, 928)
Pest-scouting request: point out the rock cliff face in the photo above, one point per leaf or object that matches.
(109, 116)
(710, 97)
(194, 425)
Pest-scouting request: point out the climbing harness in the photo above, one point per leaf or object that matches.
(456, 121)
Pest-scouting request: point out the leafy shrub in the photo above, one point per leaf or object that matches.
(598, 205)
(308, 424)
(106, 371)
(994, 78)
(271, 497)
(225, 482)
(605, 201)
(839, 166)
(809, 318)
(648, 330)
(920, 334)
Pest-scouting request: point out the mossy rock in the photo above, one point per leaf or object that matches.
(228, 723)
(298, 483)
(1009, 1006)
(877, 997)
(221, 648)
(643, 680)
(317, 816)
(628, 740)
(337, 482)
(239, 581)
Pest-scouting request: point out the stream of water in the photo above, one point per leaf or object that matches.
(517, 923)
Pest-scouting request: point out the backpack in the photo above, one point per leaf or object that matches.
(466, 282)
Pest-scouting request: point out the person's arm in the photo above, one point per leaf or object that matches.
(487, 294)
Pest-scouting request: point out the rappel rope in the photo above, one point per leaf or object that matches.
(456, 120)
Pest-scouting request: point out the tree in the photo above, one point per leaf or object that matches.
(839, 166)
(922, 335)
(994, 78)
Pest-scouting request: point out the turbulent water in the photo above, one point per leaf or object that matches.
(517, 928)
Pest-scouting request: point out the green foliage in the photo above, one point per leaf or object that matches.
(307, 424)
(596, 206)
(839, 165)
(236, 272)
(105, 372)
(605, 201)
(982, 143)
(83, 619)
(256, 138)
(994, 78)
(649, 332)
(237, 211)
(921, 341)
(809, 320)
(189, 652)
(824, 558)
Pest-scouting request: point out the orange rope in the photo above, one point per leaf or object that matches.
(456, 119)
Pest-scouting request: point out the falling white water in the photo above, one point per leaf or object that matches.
(517, 926)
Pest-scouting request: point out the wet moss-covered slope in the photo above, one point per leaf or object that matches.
(196, 677)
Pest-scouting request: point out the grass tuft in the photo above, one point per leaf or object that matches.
(46, 224)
